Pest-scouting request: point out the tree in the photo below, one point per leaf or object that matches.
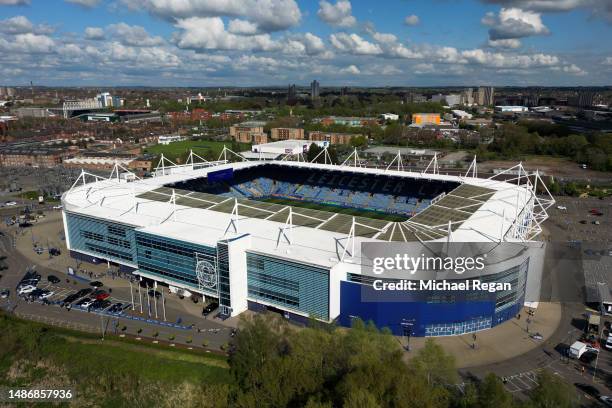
(435, 365)
(552, 391)
(492, 393)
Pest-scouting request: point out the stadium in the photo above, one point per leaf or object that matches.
(286, 236)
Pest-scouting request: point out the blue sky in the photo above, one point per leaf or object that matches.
(275, 42)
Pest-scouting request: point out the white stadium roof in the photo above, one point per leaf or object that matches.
(510, 211)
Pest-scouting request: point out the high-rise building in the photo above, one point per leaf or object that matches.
(485, 95)
(10, 91)
(584, 99)
(467, 97)
(291, 94)
(314, 89)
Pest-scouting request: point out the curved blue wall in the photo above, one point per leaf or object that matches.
(420, 317)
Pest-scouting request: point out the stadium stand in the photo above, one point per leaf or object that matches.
(380, 193)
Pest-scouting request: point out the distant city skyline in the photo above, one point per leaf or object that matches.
(249, 43)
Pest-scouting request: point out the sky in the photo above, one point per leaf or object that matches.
(277, 42)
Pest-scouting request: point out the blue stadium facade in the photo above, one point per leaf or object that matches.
(301, 279)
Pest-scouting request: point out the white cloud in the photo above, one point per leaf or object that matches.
(545, 5)
(16, 25)
(84, 3)
(28, 43)
(574, 69)
(412, 20)
(512, 23)
(268, 15)
(242, 27)
(21, 25)
(14, 2)
(424, 68)
(94, 33)
(354, 44)
(507, 43)
(208, 33)
(608, 61)
(134, 35)
(339, 14)
(351, 70)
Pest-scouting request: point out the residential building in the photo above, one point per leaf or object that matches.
(167, 139)
(15, 156)
(249, 132)
(422, 119)
(486, 95)
(287, 133)
(291, 94)
(314, 89)
(348, 121)
(331, 137)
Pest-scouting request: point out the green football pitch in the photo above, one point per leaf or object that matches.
(337, 209)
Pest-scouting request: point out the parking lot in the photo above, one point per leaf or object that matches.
(166, 319)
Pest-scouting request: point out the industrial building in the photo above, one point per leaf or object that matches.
(210, 228)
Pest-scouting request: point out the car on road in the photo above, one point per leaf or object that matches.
(53, 279)
(209, 308)
(96, 284)
(588, 389)
(583, 221)
(10, 203)
(595, 222)
(25, 289)
(57, 207)
(561, 207)
(4, 293)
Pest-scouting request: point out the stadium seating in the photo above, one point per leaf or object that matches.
(374, 192)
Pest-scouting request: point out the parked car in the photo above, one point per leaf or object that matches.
(607, 401)
(116, 308)
(84, 292)
(46, 294)
(97, 292)
(96, 284)
(25, 289)
(102, 296)
(100, 305)
(4, 293)
(608, 343)
(85, 303)
(69, 299)
(10, 203)
(53, 279)
(209, 308)
(561, 207)
(588, 389)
